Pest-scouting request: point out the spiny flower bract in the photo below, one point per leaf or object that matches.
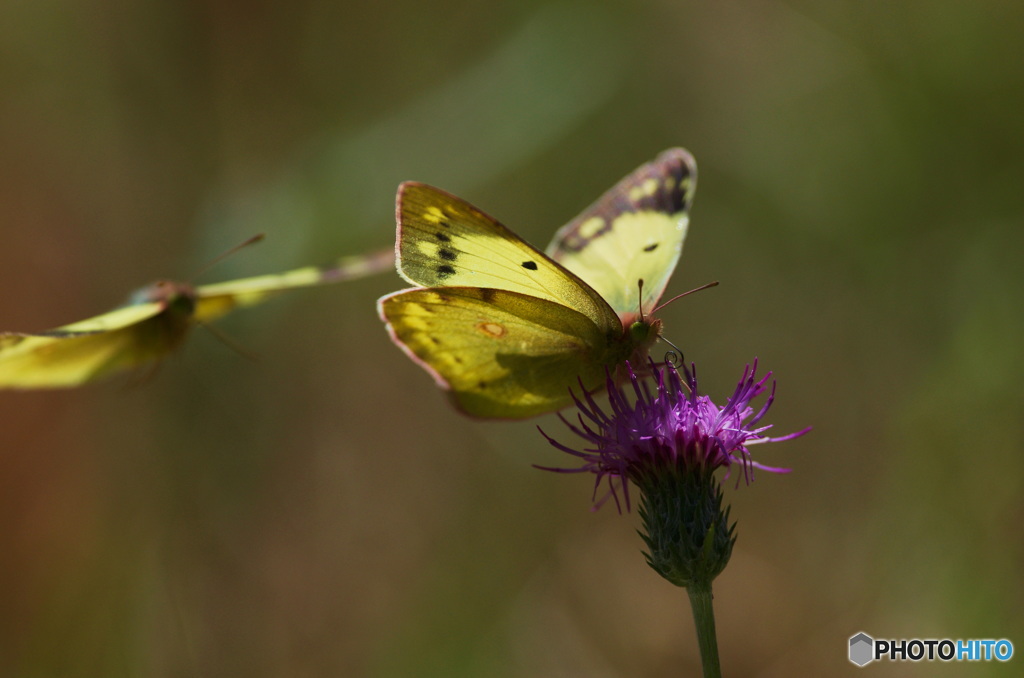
(674, 427)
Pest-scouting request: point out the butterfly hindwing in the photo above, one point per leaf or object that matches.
(89, 349)
(443, 241)
(635, 231)
(502, 354)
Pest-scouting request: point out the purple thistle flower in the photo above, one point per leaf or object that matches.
(674, 428)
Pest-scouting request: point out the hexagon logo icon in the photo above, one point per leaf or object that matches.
(862, 649)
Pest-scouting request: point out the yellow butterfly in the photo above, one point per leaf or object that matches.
(507, 329)
(154, 322)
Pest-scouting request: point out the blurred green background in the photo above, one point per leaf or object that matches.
(323, 512)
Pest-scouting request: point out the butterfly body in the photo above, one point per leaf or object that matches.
(508, 329)
(174, 306)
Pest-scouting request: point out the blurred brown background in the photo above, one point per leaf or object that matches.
(323, 512)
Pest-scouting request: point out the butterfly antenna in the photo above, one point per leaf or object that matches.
(680, 296)
(230, 343)
(224, 255)
(640, 298)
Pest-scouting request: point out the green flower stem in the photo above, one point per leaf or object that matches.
(704, 620)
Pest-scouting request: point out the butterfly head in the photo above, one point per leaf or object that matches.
(641, 336)
(640, 330)
(174, 296)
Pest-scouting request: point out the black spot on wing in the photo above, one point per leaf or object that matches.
(443, 237)
(444, 271)
(530, 265)
(447, 255)
(650, 248)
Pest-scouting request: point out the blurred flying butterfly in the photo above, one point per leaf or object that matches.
(508, 329)
(152, 324)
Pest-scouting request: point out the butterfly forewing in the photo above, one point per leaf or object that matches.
(443, 241)
(634, 232)
(502, 354)
(217, 299)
